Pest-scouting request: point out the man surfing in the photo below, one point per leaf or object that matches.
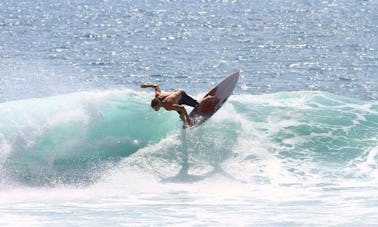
(172, 101)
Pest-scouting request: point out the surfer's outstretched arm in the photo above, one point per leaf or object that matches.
(155, 86)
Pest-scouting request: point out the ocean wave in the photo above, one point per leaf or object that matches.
(283, 137)
(69, 138)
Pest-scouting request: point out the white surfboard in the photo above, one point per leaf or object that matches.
(213, 100)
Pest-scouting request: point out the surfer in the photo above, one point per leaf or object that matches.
(172, 101)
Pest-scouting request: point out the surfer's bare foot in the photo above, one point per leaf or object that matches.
(209, 98)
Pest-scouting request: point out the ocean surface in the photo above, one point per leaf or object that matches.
(295, 145)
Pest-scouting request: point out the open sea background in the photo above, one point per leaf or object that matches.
(297, 143)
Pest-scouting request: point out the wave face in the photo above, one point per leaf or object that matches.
(273, 138)
(72, 138)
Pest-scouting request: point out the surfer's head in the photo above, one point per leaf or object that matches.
(155, 104)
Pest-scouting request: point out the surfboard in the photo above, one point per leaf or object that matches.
(213, 100)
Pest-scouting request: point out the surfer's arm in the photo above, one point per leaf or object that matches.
(155, 86)
(182, 111)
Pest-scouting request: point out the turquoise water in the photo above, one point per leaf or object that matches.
(296, 144)
(63, 139)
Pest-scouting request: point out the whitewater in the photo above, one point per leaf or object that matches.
(103, 157)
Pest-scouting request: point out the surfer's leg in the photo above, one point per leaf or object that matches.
(208, 104)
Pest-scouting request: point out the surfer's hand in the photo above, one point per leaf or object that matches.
(149, 85)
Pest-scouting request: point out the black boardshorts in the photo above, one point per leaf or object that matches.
(187, 100)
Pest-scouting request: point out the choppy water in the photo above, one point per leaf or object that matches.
(296, 144)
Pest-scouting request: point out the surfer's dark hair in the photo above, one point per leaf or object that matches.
(154, 102)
